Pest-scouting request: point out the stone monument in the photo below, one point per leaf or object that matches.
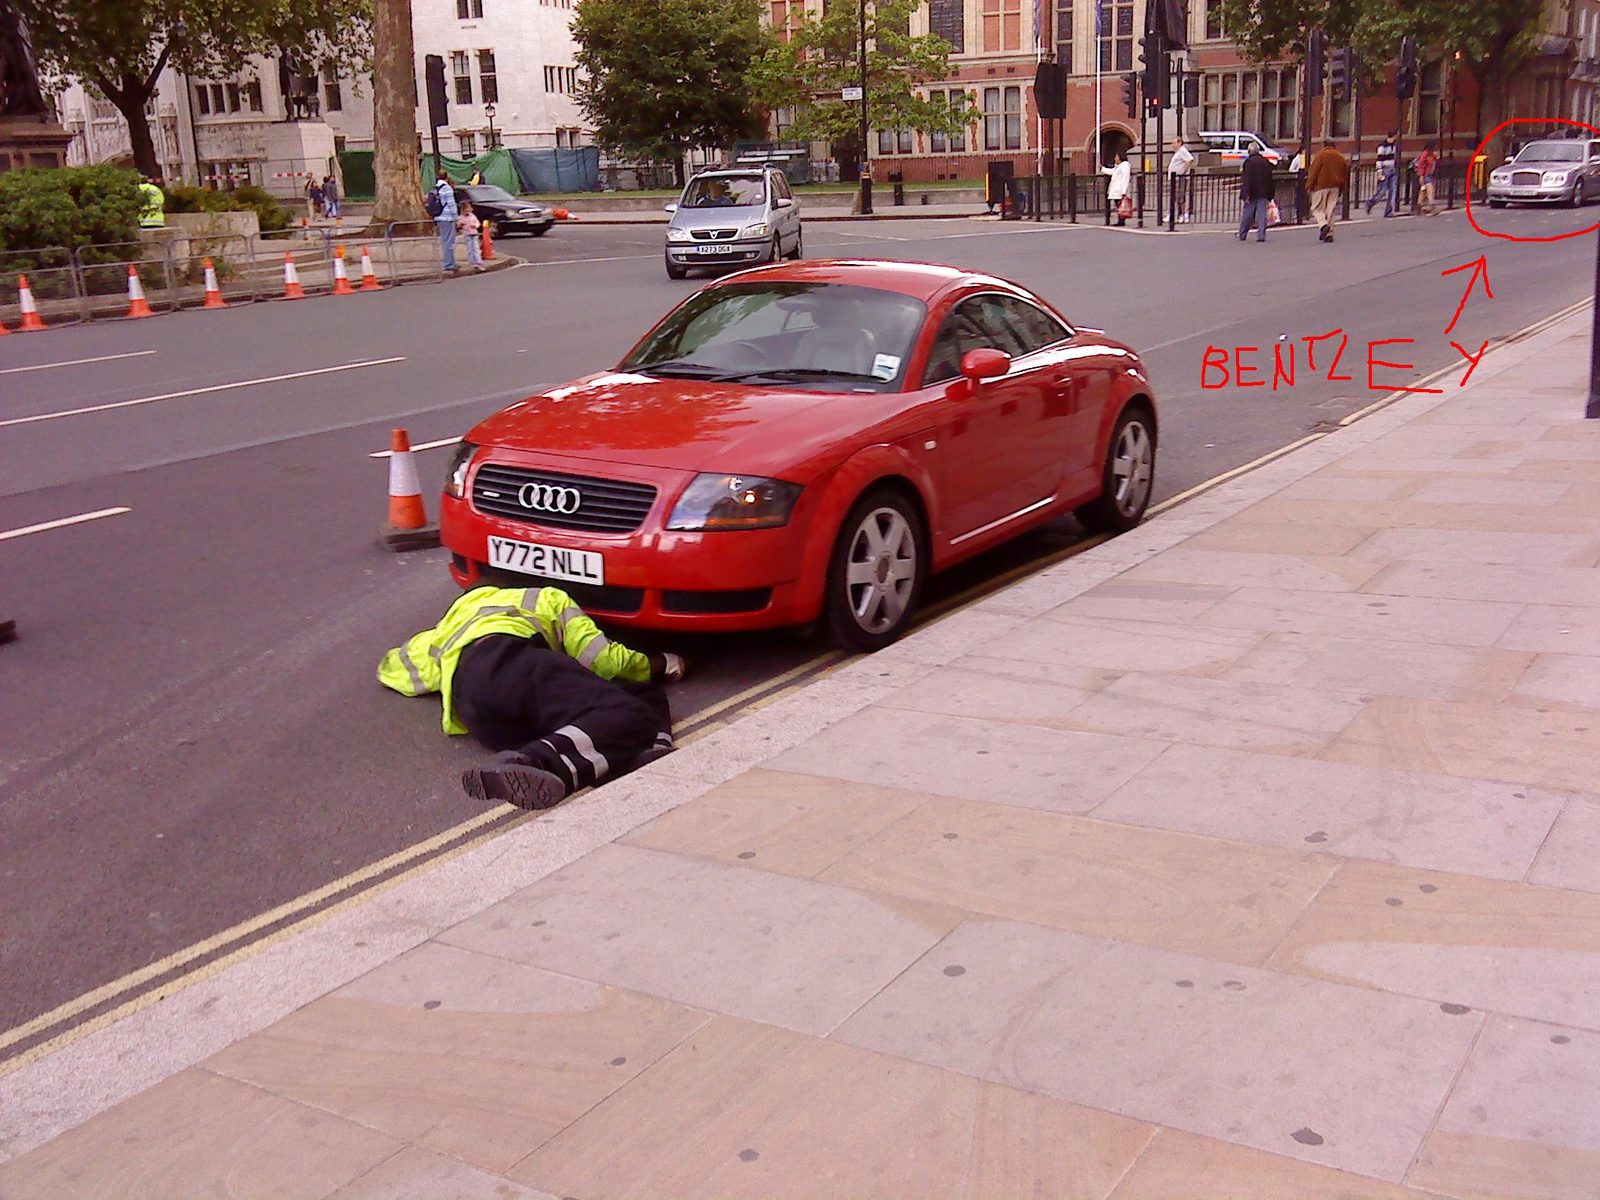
(29, 133)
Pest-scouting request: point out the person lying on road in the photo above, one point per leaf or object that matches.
(527, 673)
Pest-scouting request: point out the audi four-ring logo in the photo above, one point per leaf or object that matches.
(549, 497)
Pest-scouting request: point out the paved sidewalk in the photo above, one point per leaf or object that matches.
(1249, 855)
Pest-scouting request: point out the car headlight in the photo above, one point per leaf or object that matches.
(713, 502)
(1500, 177)
(674, 234)
(758, 229)
(455, 480)
(1555, 177)
(529, 212)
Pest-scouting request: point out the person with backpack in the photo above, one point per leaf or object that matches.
(441, 205)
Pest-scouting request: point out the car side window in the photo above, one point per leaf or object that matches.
(780, 185)
(963, 330)
(1033, 326)
(1594, 151)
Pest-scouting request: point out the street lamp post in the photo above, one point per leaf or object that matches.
(866, 159)
(1593, 407)
(488, 111)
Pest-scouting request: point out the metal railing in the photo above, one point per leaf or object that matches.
(90, 283)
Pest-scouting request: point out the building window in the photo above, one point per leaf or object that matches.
(488, 80)
(1116, 35)
(1002, 25)
(948, 19)
(1002, 118)
(469, 144)
(463, 73)
(332, 96)
(885, 141)
(1261, 100)
(1213, 20)
(561, 79)
(469, 10)
(1064, 34)
(202, 100)
(234, 99)
(218, 103)
(782, 122)
(955, 143)
(1430, 98)
(252, 95)
(492, 139)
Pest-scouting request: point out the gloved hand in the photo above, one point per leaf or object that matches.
(673, 668)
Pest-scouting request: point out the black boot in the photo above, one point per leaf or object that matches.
(511, 778)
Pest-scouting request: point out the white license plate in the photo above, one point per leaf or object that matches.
(713, 249)
(552, 562)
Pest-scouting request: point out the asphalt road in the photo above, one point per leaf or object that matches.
(190, 733)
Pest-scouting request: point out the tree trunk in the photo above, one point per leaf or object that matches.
(394, 115)
(143, 142)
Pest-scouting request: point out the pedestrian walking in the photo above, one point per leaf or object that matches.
(1181, 170)
(1255, 190)
(441, 205)
(1117, 197)
(471, 229)
(1388, 175)
(1302, 195)
(1325, 181)
(330, 197)
(1427, 168)
(528, 675)
(313, 199)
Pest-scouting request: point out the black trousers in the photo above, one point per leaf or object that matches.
(516, 694)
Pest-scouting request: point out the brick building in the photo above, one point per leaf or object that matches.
(999, 43)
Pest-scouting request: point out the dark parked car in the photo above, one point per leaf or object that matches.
(510, 214)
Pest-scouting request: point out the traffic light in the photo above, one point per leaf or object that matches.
(1156, 67)
(1316, 60)
(1130, 93)
(1405, 79)
(1339, 73)
(438, 103)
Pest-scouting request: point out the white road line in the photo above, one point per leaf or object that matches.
(418, 446)
(76, 362)
(64, 521)
(220, 387)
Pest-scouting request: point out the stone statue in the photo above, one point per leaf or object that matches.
(19, 75)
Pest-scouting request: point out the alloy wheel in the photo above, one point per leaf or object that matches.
(881, 570)
(1132, 467)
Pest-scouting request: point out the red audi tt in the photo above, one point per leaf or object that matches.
(806, 442)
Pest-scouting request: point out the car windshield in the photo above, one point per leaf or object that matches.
(724, 191)
(821, 336)
(1543, 152)
(489, 191)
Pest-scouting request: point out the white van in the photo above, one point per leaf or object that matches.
(1232, 146)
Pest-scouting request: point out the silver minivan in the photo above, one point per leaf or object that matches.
(733, 217)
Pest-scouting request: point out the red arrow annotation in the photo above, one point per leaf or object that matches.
(1479, 268)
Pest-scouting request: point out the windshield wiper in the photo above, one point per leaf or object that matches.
(677, 369)
(798, 373)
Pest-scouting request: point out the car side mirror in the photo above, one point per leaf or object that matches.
(671, 206)
(783, 202)
(1511, 158)
(978, 365)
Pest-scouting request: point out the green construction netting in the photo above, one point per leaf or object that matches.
(495, 167)
(355, 167)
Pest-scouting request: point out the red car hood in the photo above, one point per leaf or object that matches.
(678, 424)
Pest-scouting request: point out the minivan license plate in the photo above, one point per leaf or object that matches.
(714, 249)
(551, 562)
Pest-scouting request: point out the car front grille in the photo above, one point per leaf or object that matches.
(1526, 178)
(713, 235)
(745, 600)
(604, 505)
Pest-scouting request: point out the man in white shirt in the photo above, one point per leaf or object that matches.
(1180, 169)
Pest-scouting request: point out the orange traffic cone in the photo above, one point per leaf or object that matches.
(213, 292)
(291, 279)
(369, 277)
(30, 310)
(408, 527)
(137, 306)
(341, 279)
(486, 248)
(561, 214)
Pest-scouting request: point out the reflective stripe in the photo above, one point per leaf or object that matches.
(495, 610)
(412, 673)
(584, 745)
(593, 650)
(563, 618)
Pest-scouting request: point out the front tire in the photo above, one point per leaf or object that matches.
(776, 251)
(799, 246)
(876, 572)
(539, 230)
(1129, 475)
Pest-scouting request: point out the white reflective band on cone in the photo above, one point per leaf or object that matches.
(403, 479)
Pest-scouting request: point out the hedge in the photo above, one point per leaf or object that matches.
(70, 206)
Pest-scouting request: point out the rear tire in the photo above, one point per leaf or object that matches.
(1128, 477)
(876, 572)
(674, 271)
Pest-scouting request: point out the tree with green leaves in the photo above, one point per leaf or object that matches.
(662, 77)
(1496, 38)
(823, 55)
(121, 48)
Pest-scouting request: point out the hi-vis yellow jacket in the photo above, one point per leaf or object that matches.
(427, 662)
